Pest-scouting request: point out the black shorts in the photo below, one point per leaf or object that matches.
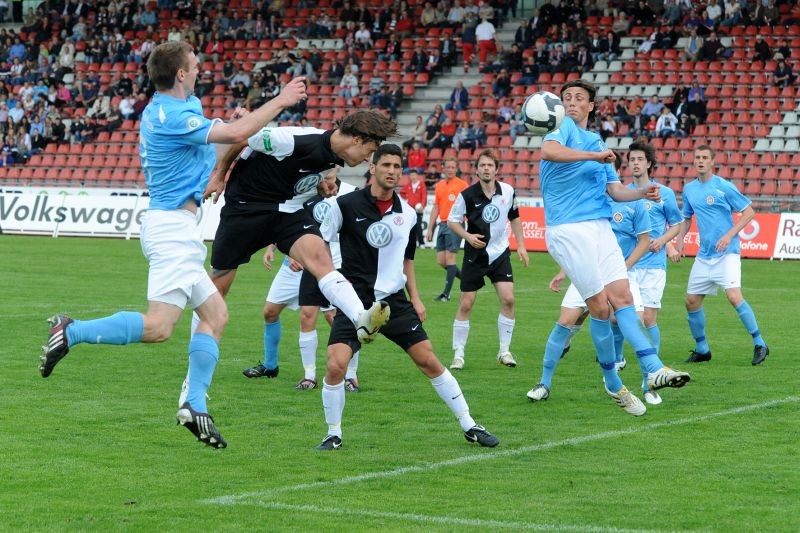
(309, 292)
(473, 270)
(243, 231)
(404, 327)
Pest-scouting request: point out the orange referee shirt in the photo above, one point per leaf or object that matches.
(445, 194)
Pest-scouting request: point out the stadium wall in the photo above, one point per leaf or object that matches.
(117, 213)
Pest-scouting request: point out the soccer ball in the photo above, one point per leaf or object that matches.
(542, 112)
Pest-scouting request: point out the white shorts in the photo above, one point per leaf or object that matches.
(172, 243)
(651, 283)
(588, 253)
(572, 299)
(708, 275)
(285, 288)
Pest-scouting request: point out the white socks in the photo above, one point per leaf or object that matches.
(333, 403)
(352, 367)
(460, 335)
(505, 329)
(308, 342)
(448, 390)
(340, 293)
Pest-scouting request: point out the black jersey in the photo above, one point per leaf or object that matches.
(374, 245)
(487, 217)
(281, 168)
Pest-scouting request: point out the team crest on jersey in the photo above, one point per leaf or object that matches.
(307, 183)
(617, 217)
(490, 213)
(321, 211)
(192, 123)
(710, 200)
(379, 234)
(451, 197)
(648, 205)
(398, 220)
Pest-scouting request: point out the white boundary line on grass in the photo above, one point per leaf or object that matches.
(446, 520)
(248, 497)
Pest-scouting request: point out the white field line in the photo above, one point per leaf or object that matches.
(446, 520)
(253, 498)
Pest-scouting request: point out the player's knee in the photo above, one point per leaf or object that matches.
(271, 313)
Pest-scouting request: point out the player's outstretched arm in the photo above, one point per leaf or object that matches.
(621, 193)
(240, 130)
(411, 288)
(558, 153)
(522, 252)
(747, 215)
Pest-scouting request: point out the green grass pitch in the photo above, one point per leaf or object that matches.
(95, 448)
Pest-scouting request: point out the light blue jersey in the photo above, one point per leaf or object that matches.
(575, 192)
(628, 221)
(714, 203)
(173, 145)
(663, 215)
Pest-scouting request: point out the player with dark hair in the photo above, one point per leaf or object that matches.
(446, 191)
(177, 154)
(376, 229)
(718, 262)
(489, 206)
(576, 176)
(279, 169)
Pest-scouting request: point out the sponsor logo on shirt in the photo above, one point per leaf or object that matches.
(490, 213)
(379, 234)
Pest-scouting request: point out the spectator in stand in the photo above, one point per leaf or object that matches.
(447, 130)
(732, 13)
(434, 64)
(605, 107)
(241, 76)
(460, 137)
(502, 84)
(784, 50)
(524, 36)
(438, 114)
(392, 51)
(530, 72)
(712, 49)
(697, 110)
(487, 44)
(672, 15)
(419, 60)
(649, 127)
(431, 132)
(363, 37)
(694, 44)
(348, 86)
(459, 98)
(696, 89)
(584, 62)
(334, 73)
(404, 25)
(517, 123)
(303, 68)
(512, 60)
(205, 85)
(767, 14)
(455, 17)
(652, 107)
(667, 123)
(607, 126)
(620, 26)
(506, 112)
(469, 41)
(416, 194)
(395, 98)
(477, 134)
(782, 76)
(428, 16)
(762, 49)
(713, 12)
(417, 132)
(417, 157)
(126, 108)
(447, 51)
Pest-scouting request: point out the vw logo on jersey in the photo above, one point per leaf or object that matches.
(379, 234)
(490, 213)
(321, 211)
(307, 183)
